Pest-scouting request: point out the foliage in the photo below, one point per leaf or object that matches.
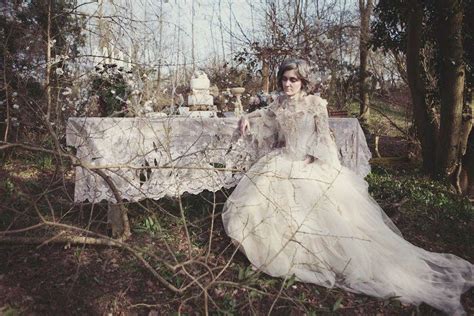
(24, 34)
(389, 26)
(205, 256)
(382, 111)
(8, 186)
(159, 236)
(110, 85)
(23, 54)
(149, 225)
(324, 35)
(390, 33)
(389, 30)
(227, 76)
(9, 311)
(422, 195)
(244, 272)
(435, 59)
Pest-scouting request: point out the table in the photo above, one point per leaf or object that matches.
(168, 156)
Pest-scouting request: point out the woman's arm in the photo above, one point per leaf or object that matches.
(321, 145)
(244, 122)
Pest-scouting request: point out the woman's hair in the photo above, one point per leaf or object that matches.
(302, 71)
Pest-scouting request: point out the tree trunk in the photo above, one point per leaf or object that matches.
(451, 86)
(464, 176)
(265, 75)
(160, 48)
(365, 8)
(193, 56)
(468, 167)
(423, 117)
(48, 64)
(7, 100)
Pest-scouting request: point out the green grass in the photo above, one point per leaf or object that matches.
(419, 190)
(9, 311)
(428, 209)
(379, 124)
(429, 214)
(149, 225)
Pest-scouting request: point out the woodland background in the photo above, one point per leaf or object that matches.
(404, 68)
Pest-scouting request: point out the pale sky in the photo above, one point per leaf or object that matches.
(139, 27)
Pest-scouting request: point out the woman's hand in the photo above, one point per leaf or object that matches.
(309, 159)
(244, 126)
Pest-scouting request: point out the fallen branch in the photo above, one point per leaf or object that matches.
(76, 240)
(6, 145)
(21, 230)
(125, 233)
(83, 240)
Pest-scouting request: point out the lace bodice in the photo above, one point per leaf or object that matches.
(318, 223)
(300, 127)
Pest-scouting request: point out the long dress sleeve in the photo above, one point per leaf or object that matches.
(320, 144)
(318, 222)
(264, 132)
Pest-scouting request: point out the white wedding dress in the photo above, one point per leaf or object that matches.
(318, 221)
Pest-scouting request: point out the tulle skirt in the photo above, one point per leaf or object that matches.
(319, 223)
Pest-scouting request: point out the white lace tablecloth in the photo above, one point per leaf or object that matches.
(157, 157)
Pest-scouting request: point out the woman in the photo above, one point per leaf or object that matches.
(298, 211)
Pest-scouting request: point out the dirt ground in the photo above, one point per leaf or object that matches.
(59, 280)
(62, 279)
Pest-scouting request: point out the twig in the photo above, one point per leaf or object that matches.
(82, 240)
(278, 295)
(47, 241)
(76, 162)
(212, 227)
(21, 230)
(392, 123)
(6, 145)
(144, 305)
(7, 97)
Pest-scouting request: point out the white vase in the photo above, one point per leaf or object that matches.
(202, 83)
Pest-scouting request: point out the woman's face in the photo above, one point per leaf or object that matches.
(291, 83)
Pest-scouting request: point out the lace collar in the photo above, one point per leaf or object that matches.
(291, 103)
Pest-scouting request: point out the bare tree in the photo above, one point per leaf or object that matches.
(48, 63)
(365, 9)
